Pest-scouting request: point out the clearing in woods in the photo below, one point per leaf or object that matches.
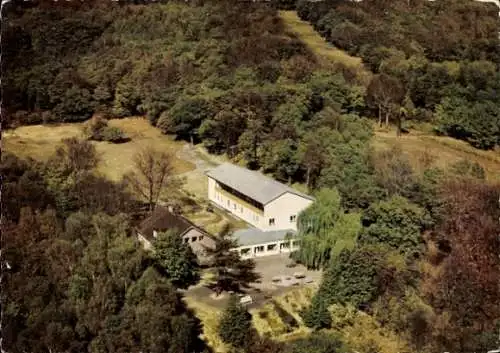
(426, 149)
(40, 141)
(190, 162)
(421, 147)
(326, 53)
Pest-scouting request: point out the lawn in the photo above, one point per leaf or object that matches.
(209, 317)
(326, 53)
(40, 141)
(440, 151)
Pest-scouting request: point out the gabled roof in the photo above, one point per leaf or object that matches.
(253, 184)
(162, 220)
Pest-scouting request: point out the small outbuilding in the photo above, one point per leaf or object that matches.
(163, 219)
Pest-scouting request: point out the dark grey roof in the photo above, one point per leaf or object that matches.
(254, 236)
(253, 184)
(162, 220)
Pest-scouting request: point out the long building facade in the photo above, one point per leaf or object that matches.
(269, 207)
(258, 200)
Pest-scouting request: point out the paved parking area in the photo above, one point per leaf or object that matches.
(268, 267)
(276, 266)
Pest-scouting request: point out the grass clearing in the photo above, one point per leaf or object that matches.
(421, 146)
(440, 151)
(40, 141)
(326, 53)
(209, 317)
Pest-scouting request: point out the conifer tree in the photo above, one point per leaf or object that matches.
(231, 272)
(235, 327)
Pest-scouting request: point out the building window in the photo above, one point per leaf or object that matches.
(296, 243)
(245, 251)
(293, 218)
(271, 221)
(228, 203)
(186, 240)
(258, 249)
(285, 245)
(234, 206)
(271, 247)
(193, 239)
(200, 237)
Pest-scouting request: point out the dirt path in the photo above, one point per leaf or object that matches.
(196, 181)
(196, 187)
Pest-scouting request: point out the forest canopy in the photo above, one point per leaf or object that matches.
(445, 56)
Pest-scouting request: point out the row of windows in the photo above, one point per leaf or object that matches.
(239, 195)
(272, 221)
(270, 247)
(235, 207)
(193, 239)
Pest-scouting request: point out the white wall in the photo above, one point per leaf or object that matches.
(280, 246)
(241, 211)
(282, 208)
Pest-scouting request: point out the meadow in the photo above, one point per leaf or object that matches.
(40, 141)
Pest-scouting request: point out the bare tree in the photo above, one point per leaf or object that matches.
(75, 155)
(153, 174)
(385, 93)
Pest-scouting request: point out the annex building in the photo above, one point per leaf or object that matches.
(163, 220)
(270, 207)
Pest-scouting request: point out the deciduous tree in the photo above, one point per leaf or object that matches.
(325, 230)
(385, 93)
(396, 223)
(176, 259)
(153, 174)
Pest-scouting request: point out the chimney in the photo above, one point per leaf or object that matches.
(155, 234)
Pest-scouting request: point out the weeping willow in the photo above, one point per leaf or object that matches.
(325, 230)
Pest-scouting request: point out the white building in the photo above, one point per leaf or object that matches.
(255, 243)
(270, 207)
(255, 198)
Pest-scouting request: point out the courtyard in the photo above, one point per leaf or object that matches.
(270, 269)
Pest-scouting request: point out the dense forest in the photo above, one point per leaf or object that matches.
(76, 280)
(410, 256)
(435, 61)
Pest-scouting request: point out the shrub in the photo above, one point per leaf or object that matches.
(285, 316)
(317, 315)
(113, 134)
(98, 129)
